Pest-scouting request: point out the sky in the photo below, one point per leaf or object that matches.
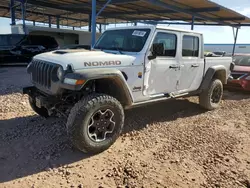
(211, 34)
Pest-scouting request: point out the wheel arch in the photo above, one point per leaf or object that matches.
(215, 72)
(112, 82)
(115, 87)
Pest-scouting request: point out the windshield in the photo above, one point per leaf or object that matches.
(10, 40)
(242, 60)
(130, 40)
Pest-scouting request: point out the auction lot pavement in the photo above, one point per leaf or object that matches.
(169, 144)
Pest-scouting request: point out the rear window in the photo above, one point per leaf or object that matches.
(190, 46)
(46, 41)
(242, 61)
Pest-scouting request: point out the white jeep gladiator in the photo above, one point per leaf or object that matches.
(127, 67)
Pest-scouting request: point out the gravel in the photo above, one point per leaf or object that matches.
(169, 144)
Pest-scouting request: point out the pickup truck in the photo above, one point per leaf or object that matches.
(18, 49)
(127, 67)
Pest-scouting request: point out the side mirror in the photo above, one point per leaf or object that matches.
(157, 50)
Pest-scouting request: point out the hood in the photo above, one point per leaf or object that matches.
(82, 59)
(241, 69)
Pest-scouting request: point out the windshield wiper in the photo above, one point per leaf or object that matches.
(116, 48)
(113, 48)
(119, 50)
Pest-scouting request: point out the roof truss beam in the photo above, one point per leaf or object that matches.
(210, 9)
(178, 9)
(186, 23)
(170, 9)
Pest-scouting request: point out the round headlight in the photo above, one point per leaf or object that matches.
(60, 73)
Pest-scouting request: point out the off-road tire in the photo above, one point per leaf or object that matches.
(205, 98)
(40, 111)
(80, 115)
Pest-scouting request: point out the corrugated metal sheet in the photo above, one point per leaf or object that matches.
(76, 12)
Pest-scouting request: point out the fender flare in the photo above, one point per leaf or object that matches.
(211, 73)
(114, 75)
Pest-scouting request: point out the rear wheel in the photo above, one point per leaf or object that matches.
(211, 97)
(95, 123)
(40, 111)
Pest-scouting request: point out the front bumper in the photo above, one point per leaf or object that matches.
(41, 99)
(235, 84)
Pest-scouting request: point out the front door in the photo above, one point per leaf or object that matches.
(163, 72)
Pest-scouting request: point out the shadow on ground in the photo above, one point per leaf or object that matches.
(13, 79)
(167, 111)
(29, 145)
(236, 95)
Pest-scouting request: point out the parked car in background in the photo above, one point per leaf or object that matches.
(220, 53)
(240, 76)
(77, 46)
(19, 48)
(210, 54)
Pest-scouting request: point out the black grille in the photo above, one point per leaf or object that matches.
(42, 73)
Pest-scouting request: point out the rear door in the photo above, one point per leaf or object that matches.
(191, 62)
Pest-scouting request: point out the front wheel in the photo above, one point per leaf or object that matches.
(211, 97)
(95, 123)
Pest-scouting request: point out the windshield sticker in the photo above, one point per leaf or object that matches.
(139, 33)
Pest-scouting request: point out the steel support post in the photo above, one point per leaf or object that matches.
(13, 12)
(192, 24)
(100, 28)
(58, 22)
(90, 22)
(93, 23)
(235, 39)
(23, 15)
(49, 21)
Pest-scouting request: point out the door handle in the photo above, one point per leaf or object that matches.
(195, 65)
(174, 66)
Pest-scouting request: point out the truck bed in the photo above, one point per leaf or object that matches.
(218, 61)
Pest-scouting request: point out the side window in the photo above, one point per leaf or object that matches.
(35, 40)
(190, 46)
(169, 42)
(49, 42)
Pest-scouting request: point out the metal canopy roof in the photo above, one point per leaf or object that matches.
(77, 12)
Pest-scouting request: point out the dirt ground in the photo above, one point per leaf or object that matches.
(170, 144)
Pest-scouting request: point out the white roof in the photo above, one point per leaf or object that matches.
(156, 27)
(177, 29)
